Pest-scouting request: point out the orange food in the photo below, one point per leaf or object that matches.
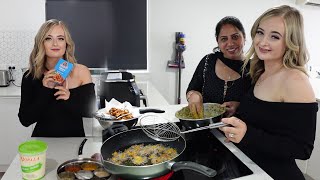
(72, 168)
(58, 78)
(119, 112)
(89, 166)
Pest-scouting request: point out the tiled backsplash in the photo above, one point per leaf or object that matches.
(15, 48)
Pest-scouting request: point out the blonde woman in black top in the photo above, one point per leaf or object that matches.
(56, 110)
(277, 118)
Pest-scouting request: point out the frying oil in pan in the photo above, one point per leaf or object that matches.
(141, 154)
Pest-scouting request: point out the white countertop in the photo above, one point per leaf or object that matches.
(64, 149)
(10, 91)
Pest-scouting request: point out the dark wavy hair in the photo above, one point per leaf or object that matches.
(232, 21)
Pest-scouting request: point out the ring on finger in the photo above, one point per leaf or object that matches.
(231, 135)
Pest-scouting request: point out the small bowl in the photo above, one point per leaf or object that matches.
(101, 173)
(65, 175)
(84, 174)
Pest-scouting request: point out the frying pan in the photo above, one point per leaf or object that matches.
(212, 111)
(128, 138)
(106, 121)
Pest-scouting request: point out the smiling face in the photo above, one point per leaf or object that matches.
(55, 43)
(231, 42)
(269, 41)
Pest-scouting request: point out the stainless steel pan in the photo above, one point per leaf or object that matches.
(212, 114)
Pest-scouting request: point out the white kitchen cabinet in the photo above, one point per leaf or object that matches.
(12, 133)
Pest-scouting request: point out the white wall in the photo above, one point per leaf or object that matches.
(19, 22)
(197, 19)
(21, 14)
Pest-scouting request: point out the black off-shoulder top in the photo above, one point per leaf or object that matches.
(55, 118)
(277, 134)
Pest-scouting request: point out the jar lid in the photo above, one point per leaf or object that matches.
(33, 147)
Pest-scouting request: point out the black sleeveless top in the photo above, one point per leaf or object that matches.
(277, 134)
(206, 81)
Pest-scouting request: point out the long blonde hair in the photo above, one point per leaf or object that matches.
(37, 59)
(296, 55)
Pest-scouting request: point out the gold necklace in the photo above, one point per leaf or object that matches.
(225, 87)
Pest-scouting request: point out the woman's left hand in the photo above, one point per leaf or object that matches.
(231, 107)
(63, 92)
(236, 131)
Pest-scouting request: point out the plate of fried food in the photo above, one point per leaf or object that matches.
(116, 112)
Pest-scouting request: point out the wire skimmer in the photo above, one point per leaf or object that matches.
(161, 129)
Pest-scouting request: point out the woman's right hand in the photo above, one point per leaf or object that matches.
(47, 80)
(195, 104)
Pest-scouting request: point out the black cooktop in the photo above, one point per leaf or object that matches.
(204, 148)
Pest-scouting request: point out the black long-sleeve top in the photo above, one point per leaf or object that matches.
(55, 118)
(277, 134)
(206, 81)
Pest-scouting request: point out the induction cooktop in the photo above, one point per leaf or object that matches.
(204, 148)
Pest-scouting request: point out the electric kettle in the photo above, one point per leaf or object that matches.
(4, 78)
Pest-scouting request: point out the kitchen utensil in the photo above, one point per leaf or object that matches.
(81, 146)
(106, 120)
(212, 113)
(160, 129)
(131, 137)
(64, 171)
(4, 78)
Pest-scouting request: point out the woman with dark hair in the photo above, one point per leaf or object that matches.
(56, 110)
(276, 120)
(218, 77)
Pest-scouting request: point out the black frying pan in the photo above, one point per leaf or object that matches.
(137, 136)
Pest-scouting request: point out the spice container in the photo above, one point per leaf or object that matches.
(82, 168)
(33, 159)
